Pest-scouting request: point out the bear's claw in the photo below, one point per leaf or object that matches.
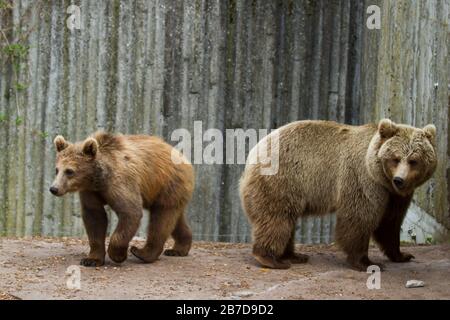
(270, 262)
(297, 258)
(174, 253)
(142, 254)
(363, 263)
(89, 262)
(117, 254)
(402, 257)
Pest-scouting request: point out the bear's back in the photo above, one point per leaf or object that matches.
(149, 161)
(314, 157)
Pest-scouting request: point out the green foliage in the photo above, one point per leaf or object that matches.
(4, 118)
(44, 135)
(13, 53)
(16, 50)
(20, 86)
(19, 121)
(4, 5)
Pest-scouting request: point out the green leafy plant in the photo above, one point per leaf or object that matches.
(14, 53)
(44, 134)
(16, 50)
(20, 86)
(19, 121)
(5, 5)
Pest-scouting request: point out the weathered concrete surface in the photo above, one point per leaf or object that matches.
(154, 66)
(420, 227)
(413, 83)
(36, 269)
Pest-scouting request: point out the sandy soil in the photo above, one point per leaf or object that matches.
(36, 269)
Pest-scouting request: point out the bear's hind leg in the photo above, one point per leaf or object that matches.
(270, 239)
(182, 235)
(162, 223)
(290, 254)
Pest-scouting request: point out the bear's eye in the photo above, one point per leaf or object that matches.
(396, 160)
(56, 171)
(69, 172)
(412, 162)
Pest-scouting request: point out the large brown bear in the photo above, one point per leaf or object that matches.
(128, 173)
(366, 174)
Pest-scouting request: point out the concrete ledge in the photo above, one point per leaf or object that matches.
(420, 227)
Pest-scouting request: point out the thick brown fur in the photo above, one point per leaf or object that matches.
(328, 167)
(128, 173)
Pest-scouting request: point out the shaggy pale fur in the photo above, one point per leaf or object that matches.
(328, 167)
(128, 173)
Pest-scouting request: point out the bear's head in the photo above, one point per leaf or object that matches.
(76, 166)
(402, 157)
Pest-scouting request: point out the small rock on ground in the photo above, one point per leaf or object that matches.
(414, 284)
(243, 294)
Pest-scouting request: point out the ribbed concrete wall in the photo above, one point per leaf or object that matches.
(413, 82)
(155, 66)
(405, 75)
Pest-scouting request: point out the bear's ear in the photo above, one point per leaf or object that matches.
(60, 143)
(430, 132)
(90, 147)
(387, 128)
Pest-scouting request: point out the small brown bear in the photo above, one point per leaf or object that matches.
(365, 174)
(128, 173)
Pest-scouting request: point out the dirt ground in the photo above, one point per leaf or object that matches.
(37, 269)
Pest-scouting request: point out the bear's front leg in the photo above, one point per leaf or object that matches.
(387, 233)
(129, 212)
(355, 242)
(96, 222)
(362, 262)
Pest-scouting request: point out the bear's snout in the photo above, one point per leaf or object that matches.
(54, 190)
(399, 182)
